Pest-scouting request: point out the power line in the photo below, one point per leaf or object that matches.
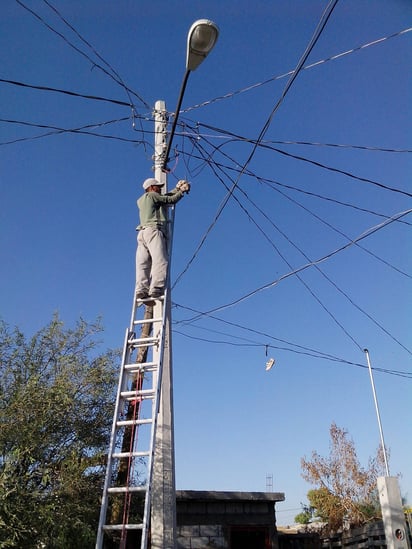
(200, 135)
(281, 76)
(202, 314)
(272, 182)
(87, 44)
(339, 146)
(56, 131)
(204, 237)
(115, 78)
(325, 17)
(318, 31)
(351, 301)
(366, 234)
(312, 214)
(372, 254)
(328, 199)
(314, 295)
(301, 350)
(327, 310)
(49, 127)
(397, 373)
(297, 189)
(263, 145)
(337, 170)
(378, 258)
(120, 80)
(66, 92)
(269, 182)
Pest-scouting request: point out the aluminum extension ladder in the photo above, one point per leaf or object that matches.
(125, 509)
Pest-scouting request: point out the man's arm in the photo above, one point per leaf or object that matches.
(171, 197)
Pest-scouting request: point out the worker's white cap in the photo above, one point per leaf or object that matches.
(151, 181)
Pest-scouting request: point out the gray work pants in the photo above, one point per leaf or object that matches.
(151, 260)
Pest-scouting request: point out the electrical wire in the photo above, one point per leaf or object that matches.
(318, 31)
(312, 214)
(406, 375)
(89, 45)
(81, 130)
(339, 146)
(365, 234)
(369, 252)
(212, 224)
(351, 301)
(303, 191)
(203, 314)
(257, 142)
(281, 76)
(314, 295)
(306, 257)
(321, 25)
(298, 350)
(200, 135)
(66, 92)
(117, 75)
(263, 145)
(83, 54)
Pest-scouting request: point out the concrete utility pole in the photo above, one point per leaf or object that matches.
(393, 517)
(163, 516)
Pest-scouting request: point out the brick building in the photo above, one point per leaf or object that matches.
(226, 520)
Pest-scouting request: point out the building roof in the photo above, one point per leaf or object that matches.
(208, 495)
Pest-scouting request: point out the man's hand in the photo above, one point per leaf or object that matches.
(183, 186)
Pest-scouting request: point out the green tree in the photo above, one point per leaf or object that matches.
(56, 405)
(305, 516)
(346, 492)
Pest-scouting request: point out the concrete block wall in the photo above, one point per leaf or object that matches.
(201, 536)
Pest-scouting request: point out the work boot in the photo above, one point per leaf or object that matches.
(156, 292)
(142, 294)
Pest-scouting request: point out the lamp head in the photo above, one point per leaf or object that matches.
(201, 38)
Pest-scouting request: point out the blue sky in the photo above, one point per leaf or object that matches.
(68, 215)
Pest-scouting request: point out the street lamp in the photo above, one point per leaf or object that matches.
(201, 39)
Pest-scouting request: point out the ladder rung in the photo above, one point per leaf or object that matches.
(135, 395)
(123, 527)
(143, 366)
(130, 454)
(141, 340)
(124, 422)
(149, 299)
(124, 489)
(147, 320)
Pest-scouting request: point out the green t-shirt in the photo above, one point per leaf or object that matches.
(152, 208)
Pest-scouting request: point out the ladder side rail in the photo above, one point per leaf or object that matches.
(103, 508)
(134, 309)
(156, 406)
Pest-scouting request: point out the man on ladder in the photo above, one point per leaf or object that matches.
(151, 255)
